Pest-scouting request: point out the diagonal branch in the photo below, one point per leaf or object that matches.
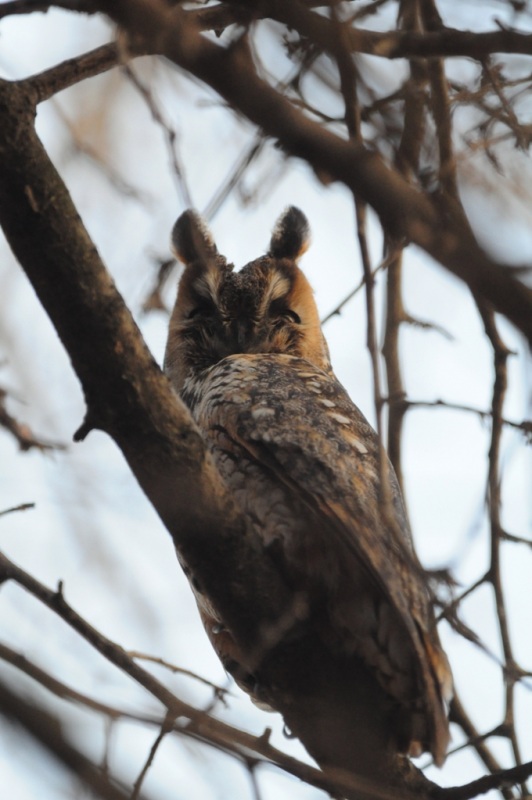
(129, 398)
(126, 393)
(61, 76)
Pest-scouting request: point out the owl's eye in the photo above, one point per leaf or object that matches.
(278, 310)
(201, 310)
(293, 316)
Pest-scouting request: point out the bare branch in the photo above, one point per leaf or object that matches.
(170, 135)
(24, 436)
(447, 42)
(47, 731)
(407, 162)
(338, 309)
(193, 722)
(166, 727)
(459, 715)
(48, 83)
(525, 427)
(83, 147)
(428, 326)
(60, 689)
(21, 507)
(219, 691)
(500, 357)
(498, 780)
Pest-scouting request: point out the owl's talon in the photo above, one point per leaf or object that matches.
(287, 733)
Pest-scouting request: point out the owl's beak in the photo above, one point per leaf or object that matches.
(242, 335)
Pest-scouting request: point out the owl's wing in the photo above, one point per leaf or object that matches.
(299, 425)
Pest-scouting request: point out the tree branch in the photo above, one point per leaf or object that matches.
(127, 395)
(189, 720)
(73, 70)
(446, 42)
(129, 398)
(504, 778)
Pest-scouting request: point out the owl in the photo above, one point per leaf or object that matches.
(247, 355)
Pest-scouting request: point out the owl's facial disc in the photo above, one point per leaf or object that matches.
(256, 310)
(267, 307)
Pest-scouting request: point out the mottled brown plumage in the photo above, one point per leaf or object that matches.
(247, 354)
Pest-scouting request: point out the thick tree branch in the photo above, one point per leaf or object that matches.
(446, 42)
(129, 398)
(126, 393)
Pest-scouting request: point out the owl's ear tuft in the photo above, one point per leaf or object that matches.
(291, 235)
(192, 239)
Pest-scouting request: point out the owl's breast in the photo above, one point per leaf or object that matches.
(241, 407)
(301, 462)
(281, 418)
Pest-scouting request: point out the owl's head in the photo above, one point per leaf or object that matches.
(266, 307)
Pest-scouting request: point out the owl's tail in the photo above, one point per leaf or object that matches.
(438, 701)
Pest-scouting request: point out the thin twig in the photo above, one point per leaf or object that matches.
(13, 509)
(110, 173)
(500, 357)
(386, 261)
(166, 727)
(524, 427)
(234, 177)
(407, 163)
(459, 715)
(21, 432)
(219, 690)
(170, 134)
(60, 689)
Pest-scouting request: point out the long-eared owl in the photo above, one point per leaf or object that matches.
(247, 355)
